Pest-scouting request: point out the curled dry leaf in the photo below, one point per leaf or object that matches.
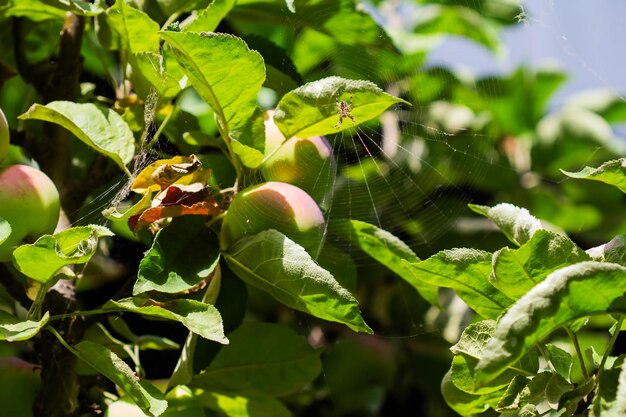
(175, 201)
(167, 174)
(161, 174)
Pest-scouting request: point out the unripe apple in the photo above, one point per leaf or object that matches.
(4, 136)
(274, 205)
(29, 201)
(307, 163)
(19, 384)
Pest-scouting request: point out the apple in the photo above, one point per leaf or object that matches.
(19, 384)
(29, 201)
(274, 205)
(307, 163)
(4, 136)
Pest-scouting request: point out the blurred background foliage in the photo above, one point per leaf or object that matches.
(486, 139)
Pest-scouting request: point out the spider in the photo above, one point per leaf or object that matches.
(344, 108)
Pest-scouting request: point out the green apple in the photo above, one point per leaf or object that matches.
(19, 384)
(4, 136)
(274, 205)
(29, 201)
(307, 163)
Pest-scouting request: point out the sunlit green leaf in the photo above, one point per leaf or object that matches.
(200, 318)
(612, 251)
(144, 394)
(314, 108)
(182, 255)
(224, 72)
(138, 32)
(516, 271)
(274, 263)
(234, 405)
(260, 368)
(79, 7)
(206, 20)
(34, 10)
(388, 250)
(99, 128)
(611, 172)
(570, 293)
(467, 272)
(515, 222)
(5, 230)
(467, 404)
(13, 329)
(467, 352)
(248, 142)
(42, 259)
(511, 398)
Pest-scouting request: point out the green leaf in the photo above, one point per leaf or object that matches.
(604, 103)
(312, 109)
(200, 318)
(138, 32)
(282, 75)
(570, 293)
(467, 404)
(388, 250)
(516, 223)
(463, 369)
(114, 215)
(182, 255)
(466, 271)
(229, 295)
(80, 7)
(41, 260)
(474, 338)
(249, 141)
(516, 271)
(5, 230)
(467, 352)
(149, 75)
(207, 19)
(144, 394)
(236, 405)
(610, 396)
(459, 21)
(511, 397)
(13, 329)
(262, 359)
(613, 251)
(224, 72)
(274, 263)
(610, 172)
(341, 266)
(99, 128)
(34, 10)
(561, 360)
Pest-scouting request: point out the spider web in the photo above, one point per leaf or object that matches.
(415, 173)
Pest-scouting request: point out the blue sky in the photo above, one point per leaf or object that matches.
(584, 37)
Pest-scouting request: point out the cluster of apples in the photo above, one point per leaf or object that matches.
(29, 201)
(299, 174)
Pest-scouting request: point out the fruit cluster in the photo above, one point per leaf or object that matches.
(299, 173)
